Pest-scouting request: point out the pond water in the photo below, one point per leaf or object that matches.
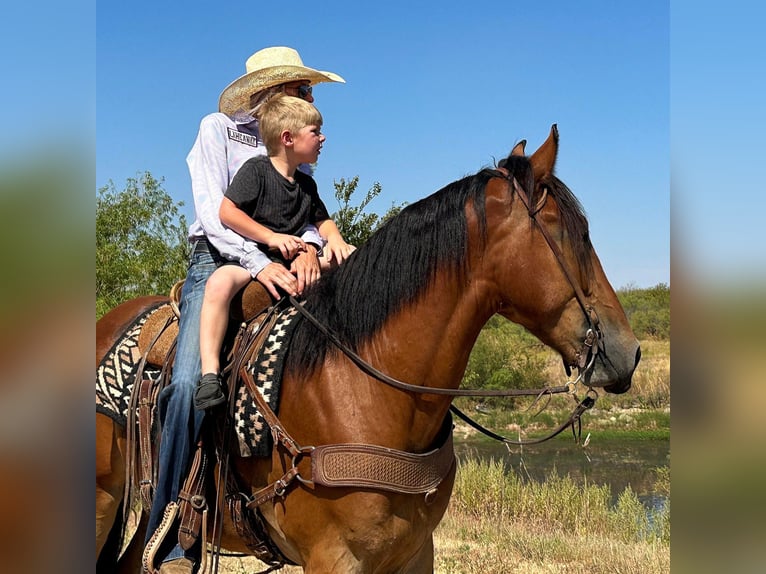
(605, 461)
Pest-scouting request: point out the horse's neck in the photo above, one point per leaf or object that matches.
(429, 342)
(426, 344)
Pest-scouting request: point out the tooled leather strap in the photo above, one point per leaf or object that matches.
(192, 503)
(145, 417)
(372, 466)
(353, 464)
(142, 402)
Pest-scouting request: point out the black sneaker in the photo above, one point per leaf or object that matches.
(209, 392)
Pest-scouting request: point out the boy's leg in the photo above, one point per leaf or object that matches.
(220, 288)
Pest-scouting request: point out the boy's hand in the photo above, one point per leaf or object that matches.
(288, 245)
(337, 250)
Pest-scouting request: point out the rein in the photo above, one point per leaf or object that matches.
(365, 367)
(588, 351)
(375, 373)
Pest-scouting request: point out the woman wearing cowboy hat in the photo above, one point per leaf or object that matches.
(226, 139)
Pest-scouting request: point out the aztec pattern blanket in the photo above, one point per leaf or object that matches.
(115, 379)
(252, 431)
(116, 374)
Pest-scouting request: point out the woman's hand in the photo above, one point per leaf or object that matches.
(305, 267)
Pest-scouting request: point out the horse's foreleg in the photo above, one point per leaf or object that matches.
(110, 478)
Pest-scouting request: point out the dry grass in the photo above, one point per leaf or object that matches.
(491, 547)
(467, 545)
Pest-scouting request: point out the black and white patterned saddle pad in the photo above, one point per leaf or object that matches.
(116, 373)
(253, 433)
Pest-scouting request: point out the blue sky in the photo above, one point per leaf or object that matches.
(432, 94)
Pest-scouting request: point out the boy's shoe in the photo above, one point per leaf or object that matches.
(209, 392)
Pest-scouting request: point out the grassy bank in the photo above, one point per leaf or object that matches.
(497, 523)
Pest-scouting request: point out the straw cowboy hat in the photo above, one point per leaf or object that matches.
(266, 68)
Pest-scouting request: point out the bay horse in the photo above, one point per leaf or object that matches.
(411, 302)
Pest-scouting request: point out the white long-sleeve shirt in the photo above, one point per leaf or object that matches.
(223, 144)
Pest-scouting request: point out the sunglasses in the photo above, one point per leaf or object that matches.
(303, 90)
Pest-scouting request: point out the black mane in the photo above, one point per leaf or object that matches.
(400, 260)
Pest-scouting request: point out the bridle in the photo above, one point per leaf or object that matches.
(593, 336)
(586, 355)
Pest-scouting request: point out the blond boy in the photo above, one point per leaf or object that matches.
(269, 201)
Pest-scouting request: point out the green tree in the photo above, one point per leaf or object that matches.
(505, 356)
(354, 222)
(141, 243)
(648, 310)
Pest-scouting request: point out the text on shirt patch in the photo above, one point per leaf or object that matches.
(246, 139)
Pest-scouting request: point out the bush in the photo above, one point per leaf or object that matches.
(141, 244)
(505, 357)
(648, 310)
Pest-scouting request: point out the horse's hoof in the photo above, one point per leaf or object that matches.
(177, 566)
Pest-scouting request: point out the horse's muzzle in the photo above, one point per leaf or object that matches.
(623, 385)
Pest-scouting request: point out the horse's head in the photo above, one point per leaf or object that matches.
(547, 274)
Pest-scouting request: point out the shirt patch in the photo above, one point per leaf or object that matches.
(246, 139)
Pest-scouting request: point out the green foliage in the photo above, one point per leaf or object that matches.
(141, 242)
(355, 224)
(648, 310)
(505, 357)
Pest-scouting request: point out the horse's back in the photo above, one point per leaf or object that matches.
(113, 324)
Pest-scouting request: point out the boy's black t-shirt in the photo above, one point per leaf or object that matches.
(264, 194)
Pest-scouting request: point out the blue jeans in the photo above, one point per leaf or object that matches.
(180, 421)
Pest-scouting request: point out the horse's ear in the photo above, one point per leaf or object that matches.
(544, 158)
(518, 149)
